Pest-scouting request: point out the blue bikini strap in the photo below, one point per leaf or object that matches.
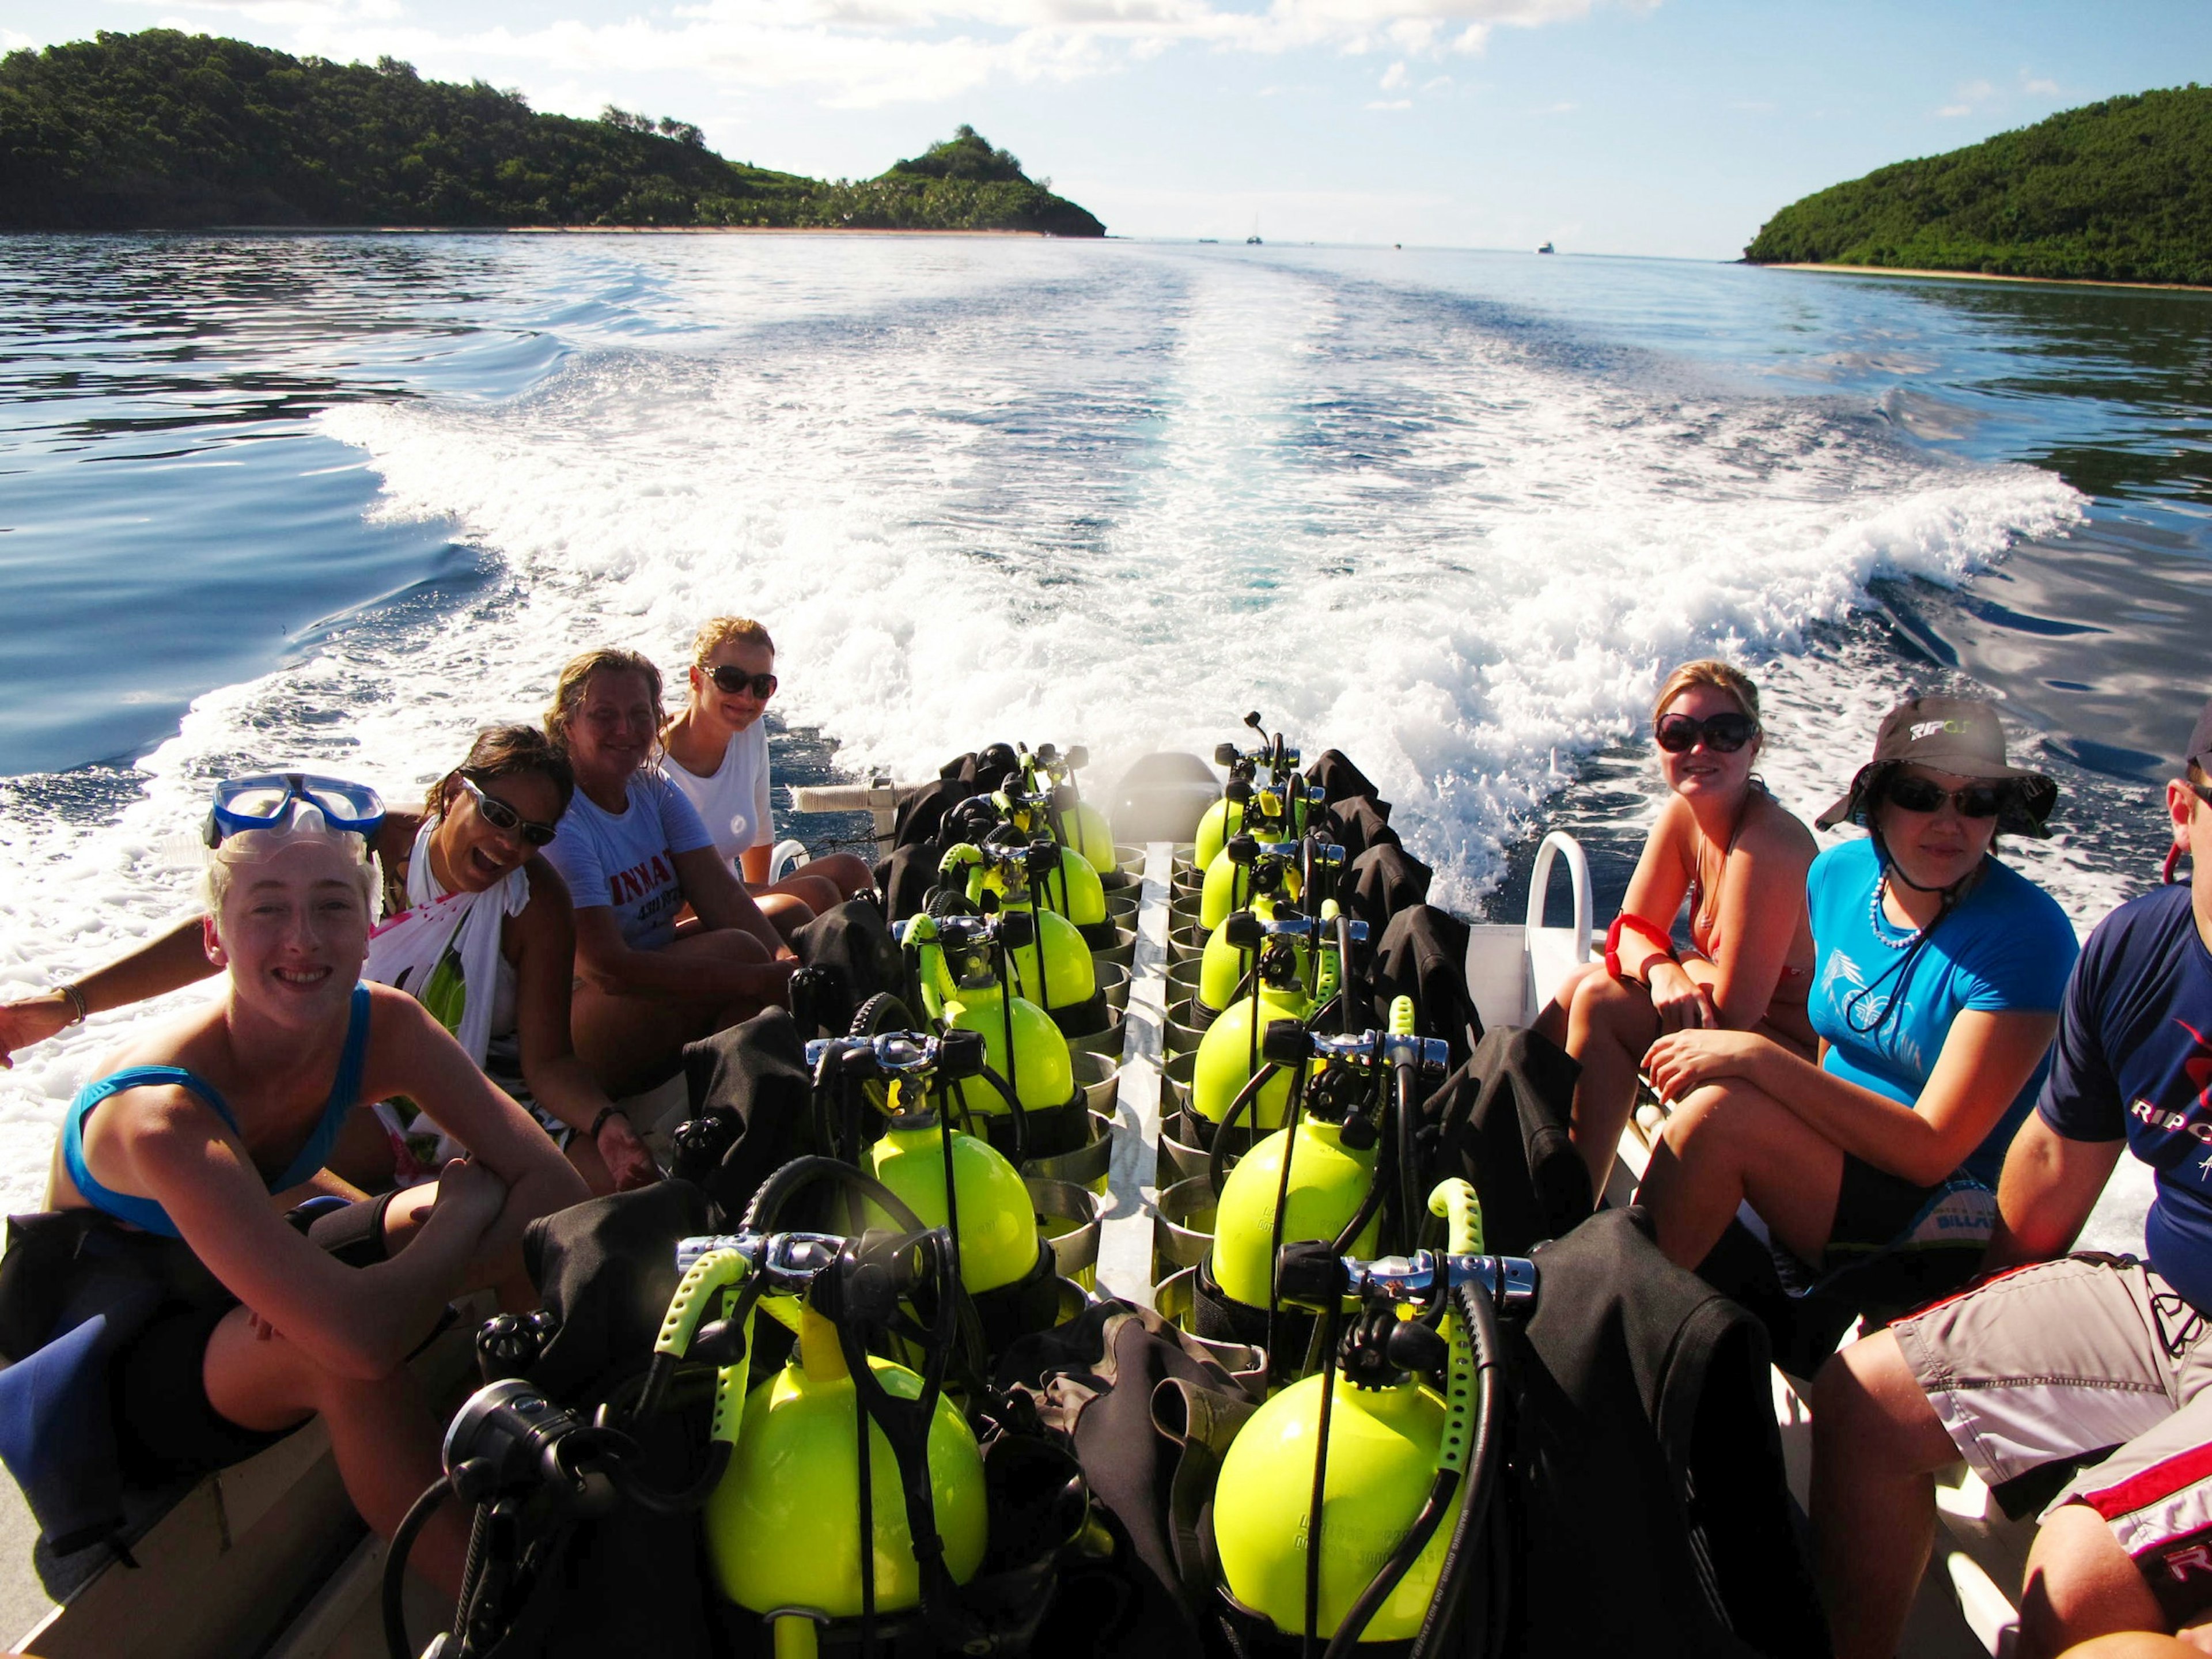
(345, 1091)
(142, 1213)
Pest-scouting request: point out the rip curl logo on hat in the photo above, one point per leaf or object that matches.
(1930, 728)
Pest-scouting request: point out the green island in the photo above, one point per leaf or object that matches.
(162, 130)
(2115, 191)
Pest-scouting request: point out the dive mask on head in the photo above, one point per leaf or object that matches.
(271, 801)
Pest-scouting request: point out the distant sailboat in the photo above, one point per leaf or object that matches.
(1547, 248)
(1252, 240)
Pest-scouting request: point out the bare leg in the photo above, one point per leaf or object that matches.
(789, 909)
(1876, 1445)
(633, 1042)
(834, 875)
(383, 1433)
(1730, 1142)
(1606, 1025)
(2081, 1583)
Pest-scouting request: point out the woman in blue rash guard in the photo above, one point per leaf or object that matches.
(1938, 977)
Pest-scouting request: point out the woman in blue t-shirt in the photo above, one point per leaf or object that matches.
(1937, 979)
(633, 853)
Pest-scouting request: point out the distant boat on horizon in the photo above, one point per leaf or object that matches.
(1547, 248)
(1252, 240)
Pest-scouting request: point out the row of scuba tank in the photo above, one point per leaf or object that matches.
(840, 1485)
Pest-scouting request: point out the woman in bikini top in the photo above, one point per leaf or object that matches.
(208, 1128)
(1739, 857)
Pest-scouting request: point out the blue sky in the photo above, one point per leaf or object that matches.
(1669, 127)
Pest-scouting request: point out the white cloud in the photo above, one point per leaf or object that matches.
(1951, 109)
(1394, 76)
(11, 41)
(1568, 108)
(2038, 87)
(1391, 103)
(865, 52)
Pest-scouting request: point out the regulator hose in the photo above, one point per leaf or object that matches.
(1217, 1160)
(1481, 1321)
(801, 1172)
(1275, 1231)
(393, 1599)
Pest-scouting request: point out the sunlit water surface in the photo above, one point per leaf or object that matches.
(337, 501)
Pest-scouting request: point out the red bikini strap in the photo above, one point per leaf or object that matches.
(1652, 934)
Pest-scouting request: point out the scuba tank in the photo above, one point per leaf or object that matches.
(947, 1178)
(802, 1485)
(1051, 962)
(844, 1491)
(1062, 880)
(1075, 823)
(1225, 818)
(1326, 1174)
(957, 963)
(1229, 1083)
(1347, 1508)
(1245, 862)
(1278, 872)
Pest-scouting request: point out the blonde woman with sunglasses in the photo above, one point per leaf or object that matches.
(716, 752)
(1739, 857)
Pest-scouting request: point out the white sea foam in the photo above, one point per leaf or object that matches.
(1108, 495)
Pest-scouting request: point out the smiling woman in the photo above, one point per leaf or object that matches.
(483, 938)
(1739, 857)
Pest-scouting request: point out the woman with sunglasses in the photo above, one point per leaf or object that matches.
(208, 1128)
(635, 856)
(503, 989)
(1936, 995)
(1739, 858)
(487, 942)
(716, 752)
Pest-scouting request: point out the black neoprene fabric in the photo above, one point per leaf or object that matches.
(1339, 778)
(1648, 1469)
(755, 1072)
(1500, 1123)
(1381, 882)
(1358, 823)
(1423, 955)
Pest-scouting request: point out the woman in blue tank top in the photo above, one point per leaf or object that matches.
(210, 1129)
(1937, 978)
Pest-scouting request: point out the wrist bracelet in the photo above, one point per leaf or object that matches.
(600, 1121)
(80, 1011)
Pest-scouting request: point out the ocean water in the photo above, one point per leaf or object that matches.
(338, 501)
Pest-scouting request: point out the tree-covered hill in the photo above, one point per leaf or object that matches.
(166, 130)
(2120, 191)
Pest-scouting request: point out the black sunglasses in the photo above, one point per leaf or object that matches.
(501, 816)
(1722, 734)
(730, 681)
(1976, 801)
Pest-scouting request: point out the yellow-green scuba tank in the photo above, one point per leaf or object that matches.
(1230, 1051)
(788, 1511)
(1035, 872)
(1294, 806)
(960, 989)
(1274, 882)
(1050, 958)
(1330, 1175)
(1075, 823)
(1245, 868)
(991, 1218)
(1403, 1446)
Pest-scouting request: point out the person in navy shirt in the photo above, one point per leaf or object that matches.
(2090, 1360)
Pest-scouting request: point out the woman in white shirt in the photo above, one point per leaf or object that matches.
(716, 752)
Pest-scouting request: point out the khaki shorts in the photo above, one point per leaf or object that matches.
(2071, 1358)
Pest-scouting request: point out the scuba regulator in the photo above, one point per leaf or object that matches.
(961, 967)
(1048, 774)
(946, 1177)
(1231, 1076)
(1285, 800)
